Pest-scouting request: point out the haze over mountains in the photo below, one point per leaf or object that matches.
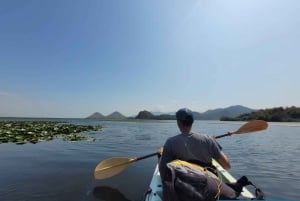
(215, 114)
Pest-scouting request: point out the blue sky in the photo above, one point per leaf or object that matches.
(70, 58)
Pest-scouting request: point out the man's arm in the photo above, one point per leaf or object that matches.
(224, 161)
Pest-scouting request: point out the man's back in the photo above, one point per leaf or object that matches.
(188, 147)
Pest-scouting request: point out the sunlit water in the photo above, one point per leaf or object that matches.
(60, 170)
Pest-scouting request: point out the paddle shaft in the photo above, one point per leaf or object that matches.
(147, 156)
(131, 161)
(224, 135)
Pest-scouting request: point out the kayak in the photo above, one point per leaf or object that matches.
(227, 177)
(155, 191)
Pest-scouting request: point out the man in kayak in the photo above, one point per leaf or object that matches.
(190, 146)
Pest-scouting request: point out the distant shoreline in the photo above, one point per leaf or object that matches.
(232, 113)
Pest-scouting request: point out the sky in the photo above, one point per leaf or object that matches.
(71, 58)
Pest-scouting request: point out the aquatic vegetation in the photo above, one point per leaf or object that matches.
(21, 132)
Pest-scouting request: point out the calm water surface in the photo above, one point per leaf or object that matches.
(60, 170)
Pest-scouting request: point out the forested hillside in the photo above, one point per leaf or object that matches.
(278, 114)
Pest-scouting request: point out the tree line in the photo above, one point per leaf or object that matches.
(277, 114)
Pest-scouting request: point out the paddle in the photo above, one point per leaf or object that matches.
(115, 165)
(251, 126)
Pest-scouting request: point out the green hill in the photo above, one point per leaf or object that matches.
(145, 115)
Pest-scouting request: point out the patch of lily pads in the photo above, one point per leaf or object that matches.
(22, 132)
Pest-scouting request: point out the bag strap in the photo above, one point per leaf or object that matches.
(172, 194)
(207, 166)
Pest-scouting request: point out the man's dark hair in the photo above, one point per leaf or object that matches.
(185, 116)
(188, 122)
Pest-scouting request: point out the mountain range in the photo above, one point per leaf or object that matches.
(215, 114)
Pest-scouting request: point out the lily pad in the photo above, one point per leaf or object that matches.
(22, 132)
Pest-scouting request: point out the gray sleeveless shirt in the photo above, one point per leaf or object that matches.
(188, 146)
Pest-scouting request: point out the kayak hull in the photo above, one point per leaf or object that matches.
(155, 190)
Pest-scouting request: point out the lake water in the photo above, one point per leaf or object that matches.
(60, 170)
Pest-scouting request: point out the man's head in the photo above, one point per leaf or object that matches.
(185, 117)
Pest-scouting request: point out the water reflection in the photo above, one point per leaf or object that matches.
(107, 193)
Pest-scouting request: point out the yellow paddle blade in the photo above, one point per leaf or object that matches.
(252, 126)
(111, 167)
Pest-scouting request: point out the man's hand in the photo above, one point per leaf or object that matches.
(160, 151)
(229, 133)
